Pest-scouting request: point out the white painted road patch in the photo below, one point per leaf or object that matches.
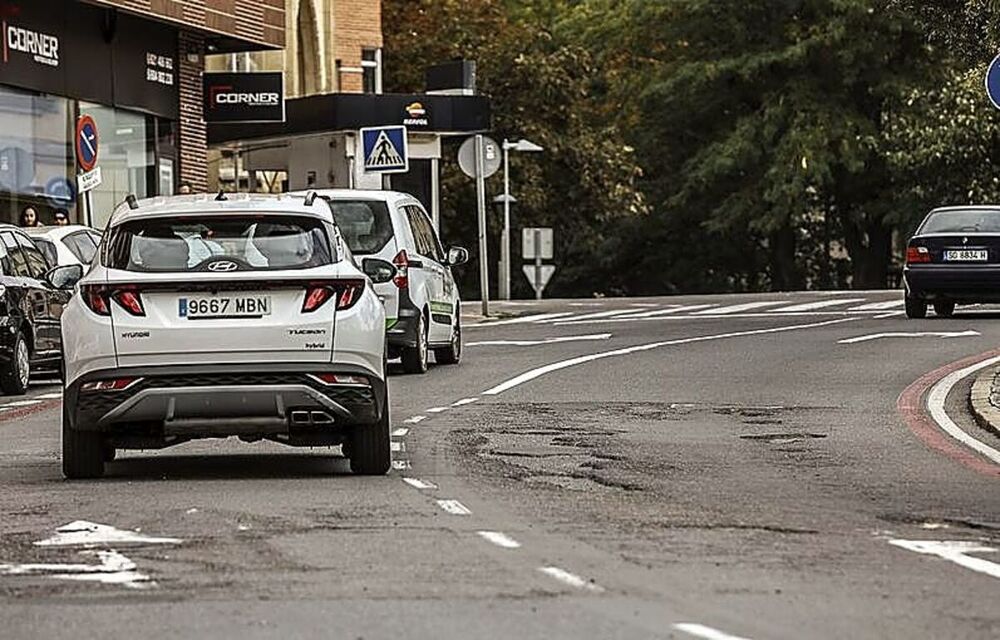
(414, 420)
(914, 334)
(957, 551)
(81, 533)
(570, 579)
(500, 539)
(454, 507)
(702, 631)
(114, 568)
(417, 483)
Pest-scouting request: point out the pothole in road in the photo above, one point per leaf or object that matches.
(781, 438)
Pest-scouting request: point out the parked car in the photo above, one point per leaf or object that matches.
(422, 302)
(68, 244)
(30, 311)
(205, 317)
(953, 258)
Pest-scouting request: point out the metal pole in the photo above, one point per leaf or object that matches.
(88, 205)
(436, 194)
(538, 264)
(484, 263)
(505, 246)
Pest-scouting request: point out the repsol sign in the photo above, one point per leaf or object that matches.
(41, 47)
(244, 97)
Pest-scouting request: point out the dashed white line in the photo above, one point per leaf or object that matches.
(454, 507)
(49, 396)
(570, 579)
(437, 409)
(535, 343)
(400, 432)
(401, 465)
(464, 401)
(739, 308)
(528, 376)
(500, 539)
(883, 316)
(702, 631)
(22, 403)
(417, 483)
(414, 419)
(812, 306)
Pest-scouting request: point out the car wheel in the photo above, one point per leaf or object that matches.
(415, 358)
(17, 372)
(915, 308)
(369, 449)
(83, 452)
(451, 354)
(944, 309)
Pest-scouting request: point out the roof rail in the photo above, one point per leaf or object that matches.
(310, 198)
(133, 204)
(221, 196)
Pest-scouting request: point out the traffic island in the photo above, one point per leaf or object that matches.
(984, 399)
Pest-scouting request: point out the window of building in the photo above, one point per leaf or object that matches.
(371, 64)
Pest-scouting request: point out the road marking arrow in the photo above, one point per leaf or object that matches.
(114, 568)
(81, 533)
(916, 334)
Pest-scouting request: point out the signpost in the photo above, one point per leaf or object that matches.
(384, 150)
(479, 158)
(89, 178)
(536, 244)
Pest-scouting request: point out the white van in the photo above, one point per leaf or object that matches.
(422, 303)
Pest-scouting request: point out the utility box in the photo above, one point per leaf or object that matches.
(456, 78)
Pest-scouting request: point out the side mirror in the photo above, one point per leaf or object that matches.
(457, 256)
(379, 271)
(64, 277)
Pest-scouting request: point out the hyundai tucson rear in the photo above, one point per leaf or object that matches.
(209, 318)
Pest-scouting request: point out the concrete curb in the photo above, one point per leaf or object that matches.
(981, 399)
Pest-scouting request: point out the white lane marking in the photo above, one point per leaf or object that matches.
(935, 404)
(916, 334)
(601, 314)
(812, 306)
(739, 308)
(500, 539)
(114, 568)
(880, 306)
(401, 465)
(437, 409)
(399, 447)
(81, 533)
(665, 312)
(417, 483)
(702, 631)
(556, 366)
(538, 317)
(643, 304)
(414, 420)
(464, 401)
(570, 579)
(956, 551)
(533, 343)
(400, 432)
(883, 316)
(49, 396)
(454, 507)
(22, 403)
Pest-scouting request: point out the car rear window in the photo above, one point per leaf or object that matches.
(364, 224)
(963, 221)
(253, 243)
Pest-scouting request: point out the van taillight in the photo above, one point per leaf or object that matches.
(917, 255)
(348, 292)
(402, 263)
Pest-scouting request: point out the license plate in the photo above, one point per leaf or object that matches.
(966, 255)
(244, 306)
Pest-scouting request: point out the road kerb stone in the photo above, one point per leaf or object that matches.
(984, 399)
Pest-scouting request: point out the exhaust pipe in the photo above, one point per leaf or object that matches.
(304, 418)
(300, 417)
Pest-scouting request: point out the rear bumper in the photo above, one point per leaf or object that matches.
(232, 400)
(403, 333)
(955, 283)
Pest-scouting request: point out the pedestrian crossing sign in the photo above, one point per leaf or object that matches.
(384, 150)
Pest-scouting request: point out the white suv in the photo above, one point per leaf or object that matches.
(423, 306)
(212, 317)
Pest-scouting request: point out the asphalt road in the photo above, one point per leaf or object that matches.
(714, 467)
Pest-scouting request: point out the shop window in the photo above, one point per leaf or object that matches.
(36, 160)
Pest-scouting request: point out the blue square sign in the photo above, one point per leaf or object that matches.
(384, 150)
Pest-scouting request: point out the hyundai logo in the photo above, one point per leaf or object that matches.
(223, 265)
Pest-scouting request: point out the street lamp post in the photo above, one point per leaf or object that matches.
(508, 146)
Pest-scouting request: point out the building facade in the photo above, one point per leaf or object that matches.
(134, 67)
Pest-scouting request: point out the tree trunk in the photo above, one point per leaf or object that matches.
(870, 248)
(786, 274)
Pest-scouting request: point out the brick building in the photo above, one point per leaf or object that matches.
(135, 67)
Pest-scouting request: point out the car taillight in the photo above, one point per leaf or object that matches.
(402, 264)
(117, 384)
(917, 255)
(340, 378)
(348, 292)
(130, 301)
(96, 298)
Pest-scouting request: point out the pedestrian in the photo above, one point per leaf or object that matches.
(61, 217)
(29, 217)
(184, 189)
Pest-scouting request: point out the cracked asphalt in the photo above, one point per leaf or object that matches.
(732, 477)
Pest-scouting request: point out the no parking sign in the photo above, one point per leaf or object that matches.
(86, 143)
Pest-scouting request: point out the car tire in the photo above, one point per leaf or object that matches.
(415, 358)
(369, 448)
(944, 309)
(915, 308)
(15, 374)
(452, 354)
(83, 452)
